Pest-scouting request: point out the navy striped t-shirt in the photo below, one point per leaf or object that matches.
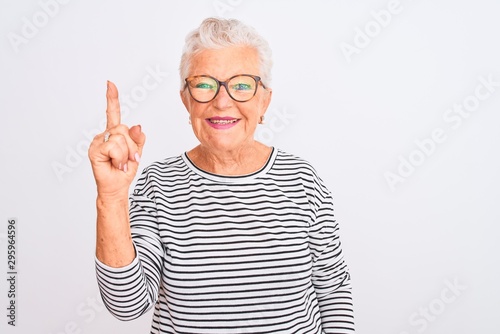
(257, 253)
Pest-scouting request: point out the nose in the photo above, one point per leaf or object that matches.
(223, 100)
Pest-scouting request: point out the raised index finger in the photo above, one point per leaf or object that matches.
(113, 106)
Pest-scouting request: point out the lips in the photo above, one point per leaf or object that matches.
(222, 123)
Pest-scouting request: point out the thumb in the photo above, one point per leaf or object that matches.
(138, 137)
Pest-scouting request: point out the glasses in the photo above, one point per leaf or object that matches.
(241, 87)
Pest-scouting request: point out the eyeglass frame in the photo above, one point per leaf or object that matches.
(224, 83)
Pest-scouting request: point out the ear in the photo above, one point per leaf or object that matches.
(185, 99)
(266, 100)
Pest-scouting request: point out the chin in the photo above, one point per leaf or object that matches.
(225, 144)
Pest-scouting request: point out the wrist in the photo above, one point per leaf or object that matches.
(113, 197)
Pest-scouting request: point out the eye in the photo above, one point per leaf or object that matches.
(241, 86)
(204, 85)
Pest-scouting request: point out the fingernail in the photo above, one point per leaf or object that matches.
(125, 168)
(120, 165)
(140, 127)
(137, 157)
(107, 84)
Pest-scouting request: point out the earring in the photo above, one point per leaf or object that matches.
(189, 121)
(262, 120)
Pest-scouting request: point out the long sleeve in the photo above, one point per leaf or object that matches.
(330, 278)
(257, 253)
(130, 291)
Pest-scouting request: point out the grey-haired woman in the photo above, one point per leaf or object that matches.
(232, 236)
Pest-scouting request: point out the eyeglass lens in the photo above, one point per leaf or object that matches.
(241, 88)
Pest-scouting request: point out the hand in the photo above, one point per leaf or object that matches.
(115, 162)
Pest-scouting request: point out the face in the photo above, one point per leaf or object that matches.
(224, 124)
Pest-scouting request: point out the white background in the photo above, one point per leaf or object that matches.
(355, 117)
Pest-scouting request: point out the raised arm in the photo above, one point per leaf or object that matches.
(115, 156)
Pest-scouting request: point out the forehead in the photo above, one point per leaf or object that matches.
(224, 63)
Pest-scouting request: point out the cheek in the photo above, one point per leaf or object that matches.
(197, 124)
(197, 110)
(251, 115)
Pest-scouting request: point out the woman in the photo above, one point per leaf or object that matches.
(232, 236)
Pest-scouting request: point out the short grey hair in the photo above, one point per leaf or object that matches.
(217, 33)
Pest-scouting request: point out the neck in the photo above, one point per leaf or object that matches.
(241, 161)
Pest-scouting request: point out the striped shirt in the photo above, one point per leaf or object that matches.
(258, 253)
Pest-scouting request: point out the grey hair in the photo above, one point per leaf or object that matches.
(217, 33)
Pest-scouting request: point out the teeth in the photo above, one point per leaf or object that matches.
(222, 121)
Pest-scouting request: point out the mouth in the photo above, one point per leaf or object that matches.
(222, 122)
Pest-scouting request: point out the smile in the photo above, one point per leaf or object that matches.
(221, 123)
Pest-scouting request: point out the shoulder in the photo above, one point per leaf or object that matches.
(288, 161)
(167, 164)
(291, 164)
(163, 171)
